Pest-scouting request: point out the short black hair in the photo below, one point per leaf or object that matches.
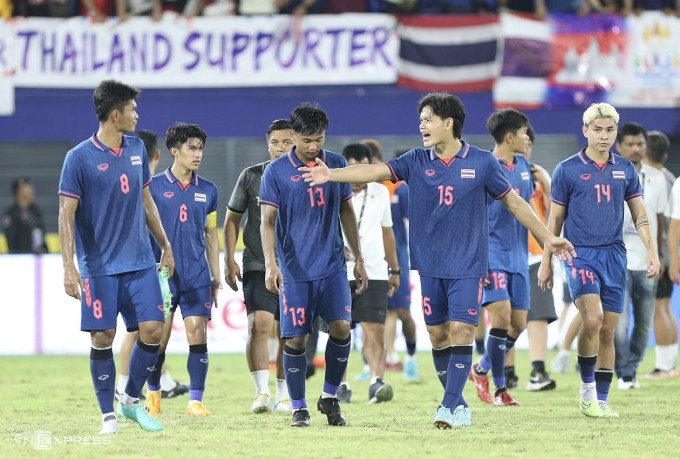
(19, 182)
(630, 129)
(112, 95)
(150, 140)
(376, 148)
(357, 152)
(278, 125)
(308, 119)
(180, 133)
(445, 106)
(658, 145)
(505, 121)
(530, 133)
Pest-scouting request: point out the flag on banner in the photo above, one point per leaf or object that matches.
(449, 53)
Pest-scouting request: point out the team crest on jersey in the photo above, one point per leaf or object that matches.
(200, 197)
(136, 160)
(169, 194)
(525, 175)
(467, 173)
(296, 178)
(429, 172)
(472, 312)
(103, 167)
(619, 175)
(585, 177)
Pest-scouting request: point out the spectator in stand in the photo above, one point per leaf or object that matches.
(22, 223)
(299, 7)
(544, 7)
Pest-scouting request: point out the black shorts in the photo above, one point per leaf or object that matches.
(566, 294)
(370, 306)
(256, 295)
(542, 303)
(664, 288)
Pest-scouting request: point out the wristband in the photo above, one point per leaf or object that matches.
(396, 272)
(358, 259)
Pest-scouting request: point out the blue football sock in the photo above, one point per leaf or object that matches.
(495, 348)
(295, 360)
(457, 375)
(153, 382)
(197, 366)
(142, 360)
(586, 365)
(103, 371)
(603, 380)
(337, 355)
(441, 359)
(410, 348)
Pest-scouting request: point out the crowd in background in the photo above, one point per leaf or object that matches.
(100, 10)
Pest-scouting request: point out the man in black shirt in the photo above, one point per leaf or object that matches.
(22, 222)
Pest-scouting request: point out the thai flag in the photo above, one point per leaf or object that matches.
(136, 160)
(200, 197)
(525, 176)
(467, 173)
(619, 175)
(449, 53)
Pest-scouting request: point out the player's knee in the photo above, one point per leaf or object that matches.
(103, 338)
(462, 334)
(339, 329)
(405, 314)
(259, 329)
(297, 342)
(593, 323)
(151, 332)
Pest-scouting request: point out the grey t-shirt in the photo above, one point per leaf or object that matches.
(246, 197)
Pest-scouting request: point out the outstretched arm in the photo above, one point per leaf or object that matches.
(361, 173)
(639, 213)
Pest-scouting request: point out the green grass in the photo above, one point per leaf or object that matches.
(54, 393)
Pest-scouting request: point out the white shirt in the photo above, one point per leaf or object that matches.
(376, 215)
(655, 196)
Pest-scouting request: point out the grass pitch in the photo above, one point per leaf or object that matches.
(54, 395)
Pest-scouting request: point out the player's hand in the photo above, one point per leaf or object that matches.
(395, 280)
(674, 270)
(73, 283)
(167, 261)
(662, 267)
(273, 279)
(561, 248)
(653, 264)
(232, 271)
(317, 175)
(360, 276)
(545, 275)
(215, 287)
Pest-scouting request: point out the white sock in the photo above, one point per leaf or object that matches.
(374, 379)
(674, 356)
(588, 391)
(327, 395)
(108, 415)
(392, 358)
(122, 382)
(167, 382)
(346, 384)
(128, 401)
(564, 352)
(261, 381)
(110, 425)
(281, 390)
(666, 357)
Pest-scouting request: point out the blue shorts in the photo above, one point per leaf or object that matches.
(402, 297)
(504, 286)
(197, 302)
(451, 300)
(301, 302)
(601, 271)
(135, 295)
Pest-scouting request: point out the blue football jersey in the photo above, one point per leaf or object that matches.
(111, 235)
(308, 235)
(399, 216)
(449, 222)
(508, 238)
(594, 196)
(183, 209)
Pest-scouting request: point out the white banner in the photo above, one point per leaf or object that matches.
(7, 70)
(202, 52)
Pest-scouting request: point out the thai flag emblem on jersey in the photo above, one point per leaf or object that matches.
(200, 197)
(619, 175)
(467, 173)
(525, 175)
(136, 160)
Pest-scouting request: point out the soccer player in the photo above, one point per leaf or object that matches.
(371, 203)
(506, 294)
(640, 289)
(449, 181)
(169, 387)
(106, 206)
(303, 224)
(187, 204)
(262, 306)
(589, 190)
(665, 325)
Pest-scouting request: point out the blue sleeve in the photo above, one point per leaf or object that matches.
(146, 177)
(402, 191)
(633, 188)
(402, 166)
(560, 187)
(269, 190)
(71, 181)
(495, 182)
